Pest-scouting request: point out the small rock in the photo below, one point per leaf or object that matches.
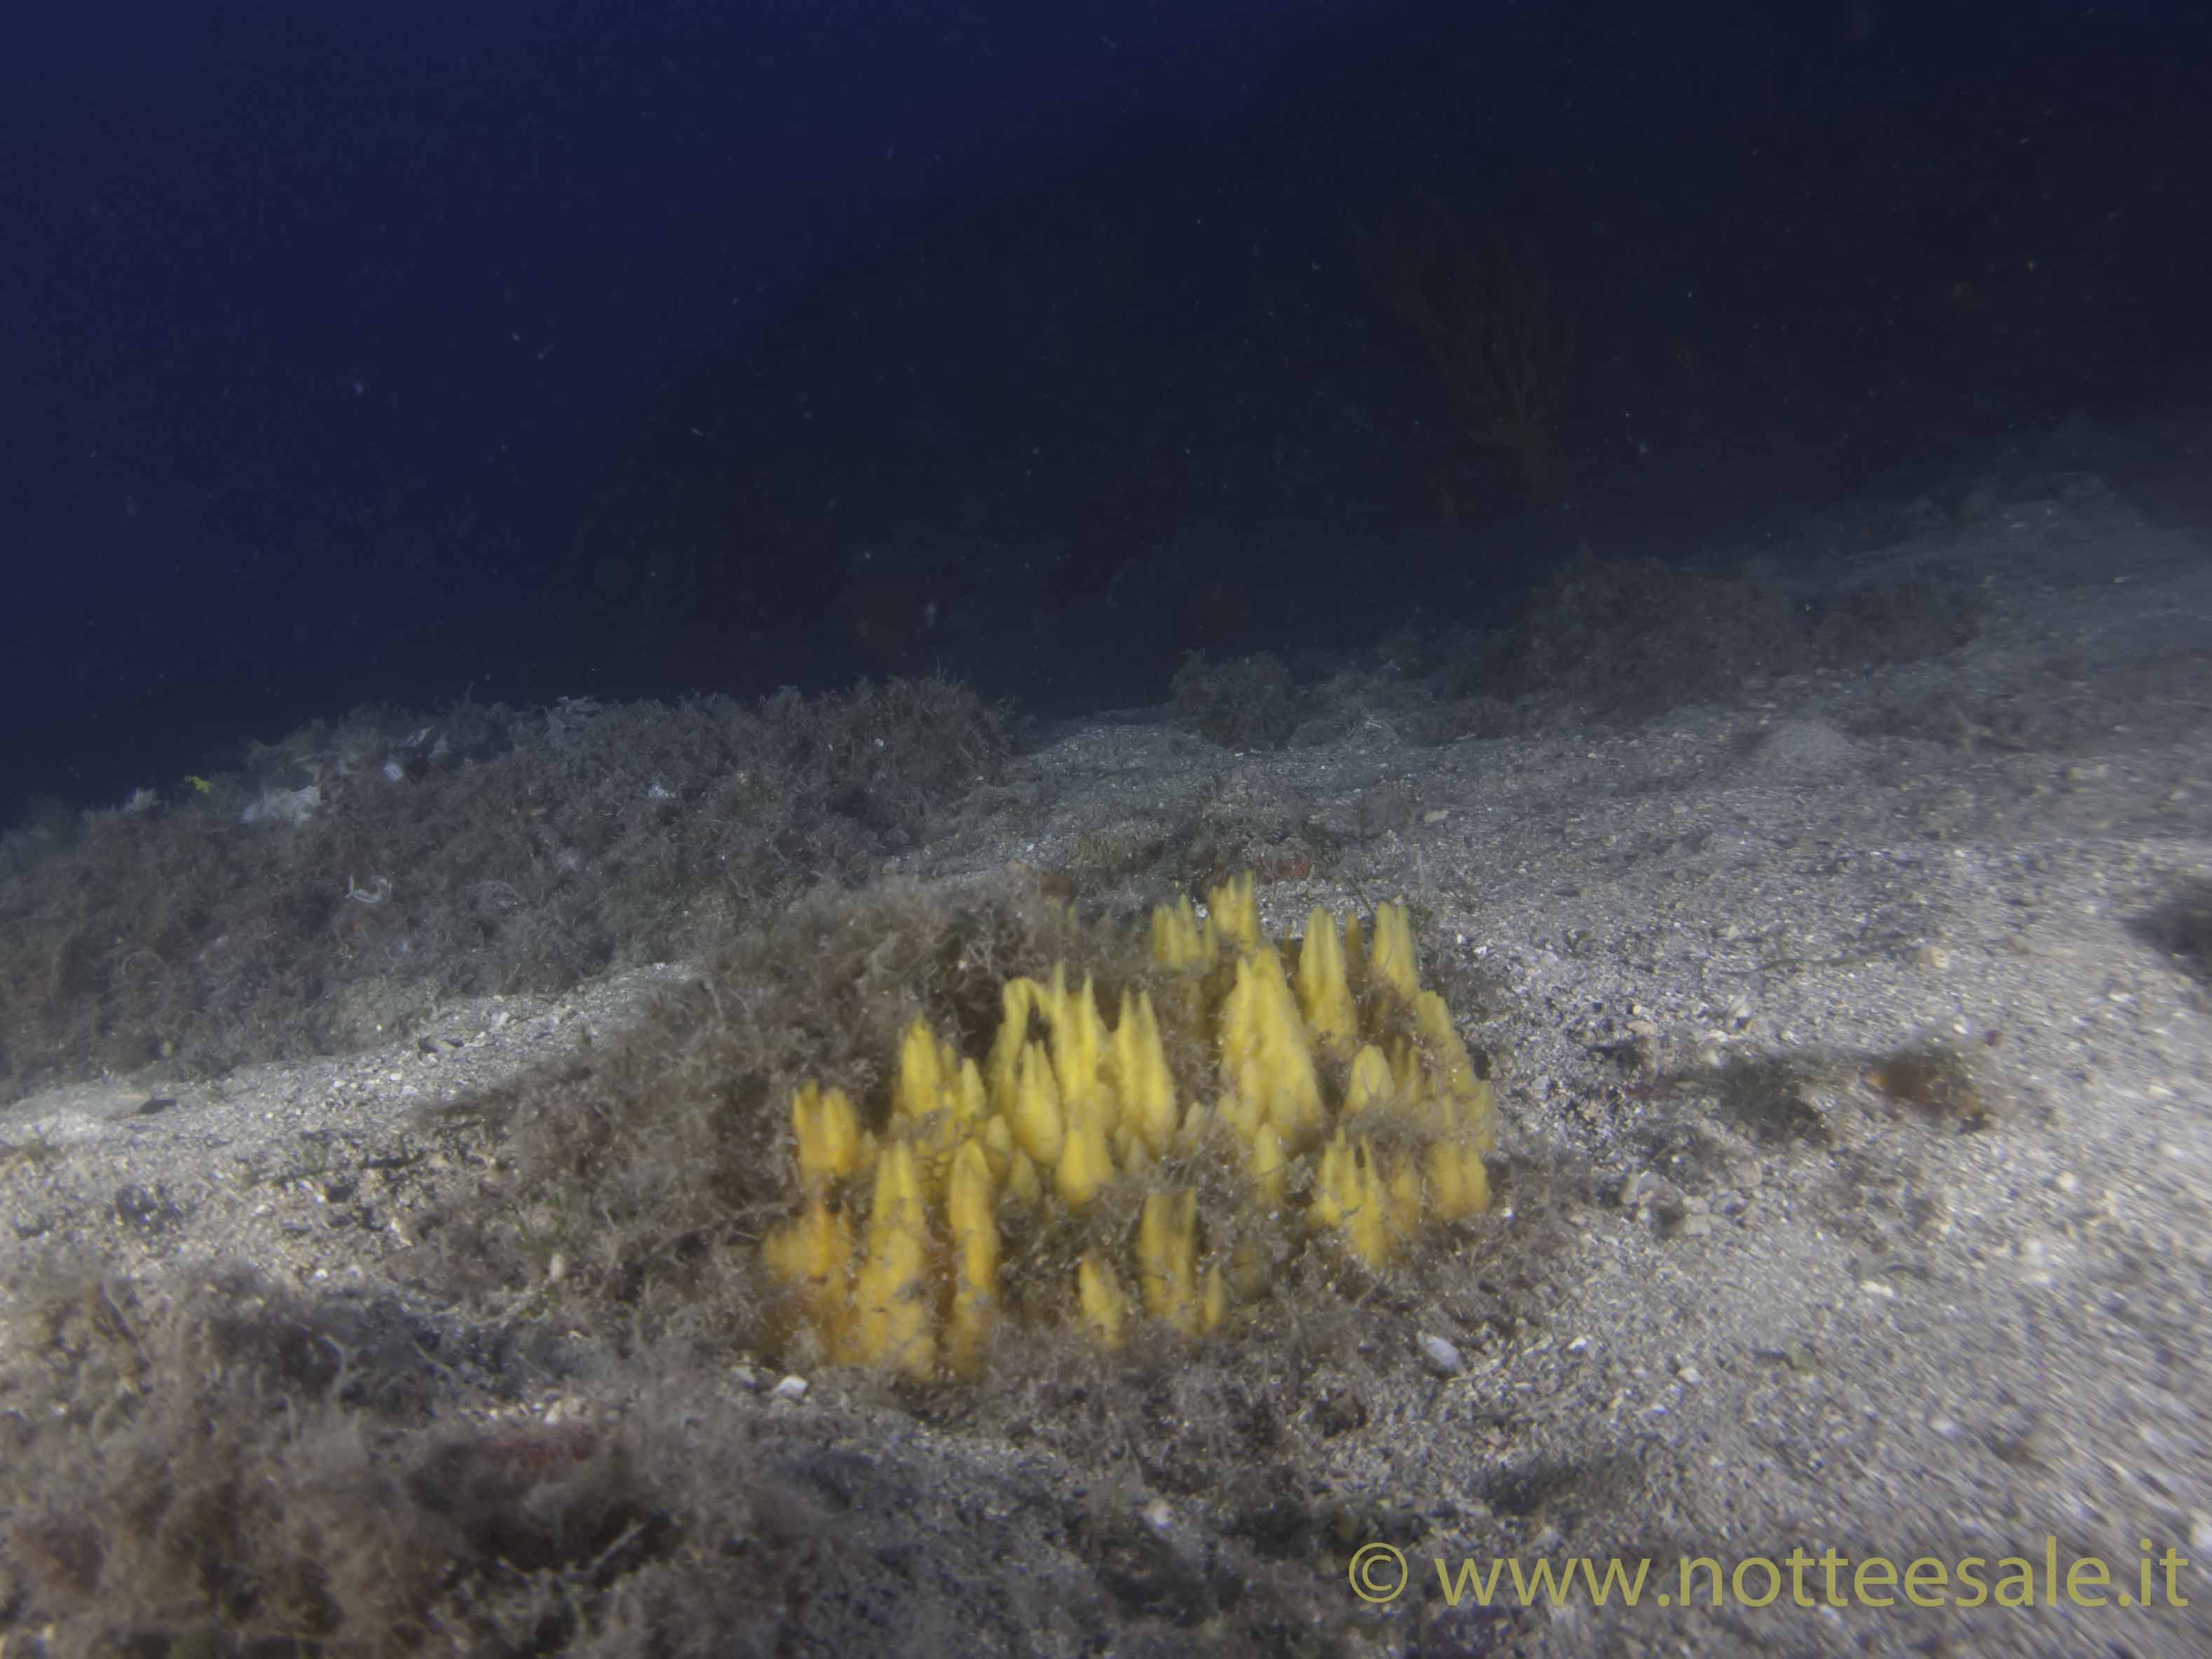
(791, 1388)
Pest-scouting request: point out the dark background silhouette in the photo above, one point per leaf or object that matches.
(631, 349)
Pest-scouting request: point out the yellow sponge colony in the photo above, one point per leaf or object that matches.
(1063, 1165)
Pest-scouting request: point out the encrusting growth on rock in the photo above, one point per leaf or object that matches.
(1343, 1106)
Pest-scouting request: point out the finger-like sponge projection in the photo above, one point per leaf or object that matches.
(1064, 1174)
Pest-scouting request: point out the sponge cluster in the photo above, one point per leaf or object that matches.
(1334, 1101)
